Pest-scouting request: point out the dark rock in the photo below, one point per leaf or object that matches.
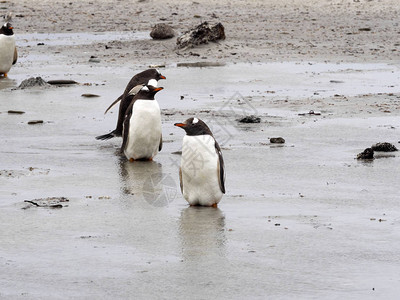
(366, 154)
(90, 95)
(278, 140)
(32, 82)
(202, 34)
(94, 59)
(61, 82)
(33, 122)
(250, 119)
(162, 31)
(384, 147)
(16, 112)
(310, 113)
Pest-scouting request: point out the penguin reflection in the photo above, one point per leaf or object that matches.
(134, 175)
(202, 232)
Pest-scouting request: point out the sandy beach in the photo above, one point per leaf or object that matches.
(303, 219)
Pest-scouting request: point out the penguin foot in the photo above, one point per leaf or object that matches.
(107, 136)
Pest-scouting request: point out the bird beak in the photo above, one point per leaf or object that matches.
(163, 77)
(10, 27)
(158, 89)
(180, 124)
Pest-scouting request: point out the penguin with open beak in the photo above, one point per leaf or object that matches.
(142, 135)
(8, 51)
(141, 78)
(201, 174)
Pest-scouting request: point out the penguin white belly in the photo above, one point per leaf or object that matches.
(7, 47)
(144, 130)
(199, 167)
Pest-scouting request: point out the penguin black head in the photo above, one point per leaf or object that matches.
(145, 92)
(152, 73)
(194, 126)
(7, 29)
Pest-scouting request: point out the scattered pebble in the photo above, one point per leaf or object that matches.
(366, 154)
(250, 119)
(16, 112)
(61, 82)
(311, 112)
(90, 95)
(94, 59)
(33, 122)
(278, 140)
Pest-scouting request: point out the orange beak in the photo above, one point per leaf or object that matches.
(158, 89)
(163, 77)
(180, 124)
(10, 27)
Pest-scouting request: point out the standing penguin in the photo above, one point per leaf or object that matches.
(202, 174)
(141, 78)
(142, 136)
(8, 51)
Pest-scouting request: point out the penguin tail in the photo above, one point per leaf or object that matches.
(107, 136)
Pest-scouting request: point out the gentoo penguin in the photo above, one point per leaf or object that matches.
(202, 174)
(141, 78)
(142, 136)
(8, 51)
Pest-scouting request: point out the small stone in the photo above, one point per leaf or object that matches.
(366, 154)
(162, 31)
(90, 95)
(94, 59)
(250, 119)
(384, 147)
(16, 112)
(33, 122)
(61, 82)
(278, 140)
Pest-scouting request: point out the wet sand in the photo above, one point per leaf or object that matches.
(303, 219)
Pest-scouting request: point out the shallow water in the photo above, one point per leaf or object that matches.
(300, 220)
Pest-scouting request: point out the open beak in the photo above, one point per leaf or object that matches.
(163, 77)
(180, 124)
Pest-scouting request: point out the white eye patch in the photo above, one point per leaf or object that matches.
(158, 71)
(152, 82)
(145, 88)
(195, 120)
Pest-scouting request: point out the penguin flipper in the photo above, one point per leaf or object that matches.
(220, 168)
(180, 179)
(125, 128)
(15, 56)
(112, 104)
(107, 136)
(160, 145)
